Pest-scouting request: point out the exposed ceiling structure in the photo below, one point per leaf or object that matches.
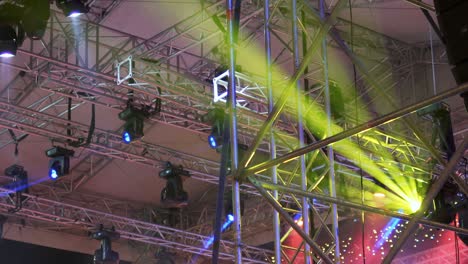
(174, 50)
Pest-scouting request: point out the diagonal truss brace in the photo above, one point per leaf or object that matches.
(68, 215)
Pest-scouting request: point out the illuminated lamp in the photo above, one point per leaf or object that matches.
(215, 139)
(134, 124)
(379, 195)
(59, 164)
(216, 118)
(8, 41)
(20, 178)
(72, 8)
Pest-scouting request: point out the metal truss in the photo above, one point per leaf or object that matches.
(86, 219)
(375, 150)
(80, 66)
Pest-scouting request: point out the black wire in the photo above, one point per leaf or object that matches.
(433, 25)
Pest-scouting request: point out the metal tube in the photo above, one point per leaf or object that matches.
(287, 91)
(221, 188)
(233, 127)
(431, 194)
(330, 152)
(336, 37)
(355, 130)
(300, 129)
(346, 203)
(290, 221)
(421, 4)
(271, 102)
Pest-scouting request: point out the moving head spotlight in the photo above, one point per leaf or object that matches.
(59, 164)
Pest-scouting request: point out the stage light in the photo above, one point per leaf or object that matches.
(134, 124)
(53, 174)
(230, 217)
(163, 256)
(415, 205)
(379, 195)
(439, 114)
(216, 118)
(18, 186)
(126, 137)
(8, 41)
(35, 16)
(215, 141)
(300, 222)
(20, 178)
(72, 8)
(173, 195)
(105, 254)
(445, 205)
(226, 224)
(59, 164)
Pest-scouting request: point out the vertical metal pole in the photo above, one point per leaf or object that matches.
(234, 144)
(97, 49)
(432, 62)
(51, 37)
(271, 103)
(86, 45)
(221, 189)
(330, 151)
(300, 125)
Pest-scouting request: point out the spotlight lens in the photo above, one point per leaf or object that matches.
(6, 55)
(415, 205)
(212, 141)
(74, 14)
(126, 137)
(230, 218)
(53, 174)
(379, 195)
(300, 222)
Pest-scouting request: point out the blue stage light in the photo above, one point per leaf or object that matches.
(227, 223)
(53, 174)
(126, 137)
(75, 14)
(212, 141)
(230, 218)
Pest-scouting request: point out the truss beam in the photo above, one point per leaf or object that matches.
(77, 217)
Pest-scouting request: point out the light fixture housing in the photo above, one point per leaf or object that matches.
(8, 41)
(59, 164)
(215, 140)
(173, 195)
(105, 254)
(134, 124)
(215, 117)
(20, 178)
(72, 8)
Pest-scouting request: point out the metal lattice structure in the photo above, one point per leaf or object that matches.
(177, 65)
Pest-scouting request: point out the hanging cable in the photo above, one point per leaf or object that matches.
(69, 116)
(433, 25)
(237, 13)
